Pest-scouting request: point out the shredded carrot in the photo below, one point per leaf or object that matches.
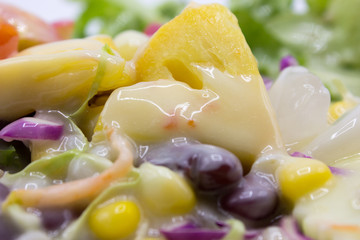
(79, 191)
(346, 228)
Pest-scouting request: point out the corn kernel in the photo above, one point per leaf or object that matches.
(302, 176)
(115, 221)
(337, 109)
(164, 191)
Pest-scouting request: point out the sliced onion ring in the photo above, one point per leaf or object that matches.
(30, 128)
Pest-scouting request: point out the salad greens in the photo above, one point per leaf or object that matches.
(115, 16)
(324, 38)
(14, 156)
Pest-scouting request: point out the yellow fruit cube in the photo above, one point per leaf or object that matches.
(201, 35)
(302, 176)
(164, 191)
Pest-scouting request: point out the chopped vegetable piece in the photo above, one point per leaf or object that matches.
(79, 191)
(30, 128)
(288, 61)
(116, 220)
(14, 156)
(165, 192)
(207, 34)
(152, 28)
(192, 231)
(64, 28)
(31, 29)
(9, 40)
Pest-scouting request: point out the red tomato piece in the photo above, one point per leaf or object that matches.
(31, 29)
(9, 40)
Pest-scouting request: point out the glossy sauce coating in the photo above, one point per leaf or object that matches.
(164, 109)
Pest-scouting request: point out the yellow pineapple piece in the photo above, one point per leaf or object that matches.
(219, 97)
(200, 35)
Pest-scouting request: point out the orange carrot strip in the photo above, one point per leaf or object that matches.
(346, 228)
(79, 191)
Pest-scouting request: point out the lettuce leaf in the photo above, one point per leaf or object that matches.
(111, 16)
(55, 168)
(325, 39)
(14, 156)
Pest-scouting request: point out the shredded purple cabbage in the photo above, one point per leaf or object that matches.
(339, 171)
(190, 230)
(299, 154)
(252, 234)
(152, 28)
(288, 61)
(334, 170)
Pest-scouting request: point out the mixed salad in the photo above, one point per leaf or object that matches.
(174, 134)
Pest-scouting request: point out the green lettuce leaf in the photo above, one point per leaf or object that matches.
(111, 16)
(13, 156)
(55, 168)
(267, 48)
(324, 39)
(344, 18)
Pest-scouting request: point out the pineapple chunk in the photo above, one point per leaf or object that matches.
(198, 79)
(207, 35)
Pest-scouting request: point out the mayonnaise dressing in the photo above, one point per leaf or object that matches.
(231, 112)
(333, 211)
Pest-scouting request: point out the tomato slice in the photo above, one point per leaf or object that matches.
(9, 40)
(31, 29)
(64, 28)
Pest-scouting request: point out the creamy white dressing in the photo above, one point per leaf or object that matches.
(231, 112)
(333, 211)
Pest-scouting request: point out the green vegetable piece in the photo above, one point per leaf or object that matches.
(56, 168)
(112, 16)
(318, 7)
(12, 160)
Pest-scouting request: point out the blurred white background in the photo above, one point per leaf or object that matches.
(53, 10)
